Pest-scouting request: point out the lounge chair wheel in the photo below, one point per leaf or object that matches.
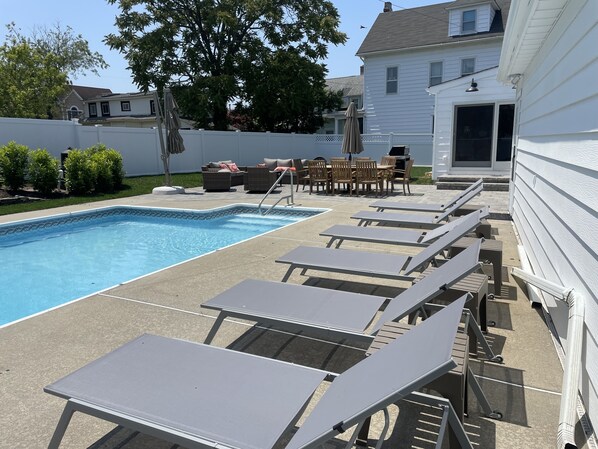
(497, 359)
(491, 296)
(495, 415)
(492, 323)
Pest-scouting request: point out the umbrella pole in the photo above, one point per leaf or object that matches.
(164, 154)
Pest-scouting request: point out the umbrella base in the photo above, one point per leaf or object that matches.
(168, 190)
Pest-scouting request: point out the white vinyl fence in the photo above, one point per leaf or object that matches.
(140, 147)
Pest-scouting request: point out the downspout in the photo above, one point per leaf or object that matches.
(572, 365)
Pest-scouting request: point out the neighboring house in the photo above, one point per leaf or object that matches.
(550, 55)
(407, 51)
(72, 105)
(132, 110)
(352, 89)
(137, 110)
(474, 125)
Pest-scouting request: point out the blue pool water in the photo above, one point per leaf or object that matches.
(46, 263)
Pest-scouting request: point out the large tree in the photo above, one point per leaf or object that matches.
(285, 92)
(30, 81)
(206, 45)
(71, 52)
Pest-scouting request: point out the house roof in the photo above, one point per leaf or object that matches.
(86, 92)
(425, 26)
(119, 96)
(351, 86)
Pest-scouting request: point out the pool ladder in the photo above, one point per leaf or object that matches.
(289, 198)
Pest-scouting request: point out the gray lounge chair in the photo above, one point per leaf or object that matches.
(473, 190)
(333, 314)
(161, 387)
(388, 235)
(414, 220)
(383, 265)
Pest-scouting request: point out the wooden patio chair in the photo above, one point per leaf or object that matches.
(388, 175)
(301, 174)
(366, 175)
(318, 175)
(403, 177)
(342, 174)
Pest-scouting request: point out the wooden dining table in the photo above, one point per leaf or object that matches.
(382, 168)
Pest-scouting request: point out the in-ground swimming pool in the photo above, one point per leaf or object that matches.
(49, 262)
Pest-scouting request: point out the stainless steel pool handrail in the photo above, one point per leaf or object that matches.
(287, 197)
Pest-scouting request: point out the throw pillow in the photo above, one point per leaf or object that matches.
(233, 167)
(284, 162)
(270, 163)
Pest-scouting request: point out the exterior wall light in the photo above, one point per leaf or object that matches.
(473, 87)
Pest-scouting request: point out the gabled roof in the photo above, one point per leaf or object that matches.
(351, 86)
(426, 26)
(86, 92)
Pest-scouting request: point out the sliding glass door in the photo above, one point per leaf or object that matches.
(481, 138)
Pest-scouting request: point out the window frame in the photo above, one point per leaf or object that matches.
(106, 112)
(470, 21)
(125, 106)
(395, 81)
(430, 76)
(93, 109)
(472, 69)
(152, 107)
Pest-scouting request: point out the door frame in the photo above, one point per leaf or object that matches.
(494, 164)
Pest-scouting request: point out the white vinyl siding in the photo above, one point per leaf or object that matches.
(410, 111)
(435, 73)
(392, 80)
(554, 200)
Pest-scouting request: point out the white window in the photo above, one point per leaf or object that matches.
(152, 107)
(105, 108)
(392, 80)
(467, 66)
(435, 73)
(93, 110)
(468, 22)
(125, 106)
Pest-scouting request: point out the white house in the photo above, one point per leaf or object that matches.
(72, 104)
(352, 91)
(125, 110)
(550, 54)
(407, 51)
(473, 125)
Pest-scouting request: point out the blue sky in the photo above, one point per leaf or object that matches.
(95, 18)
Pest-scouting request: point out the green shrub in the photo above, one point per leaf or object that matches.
(108, 166)
(43, 171)
(80, 175)
(14, 161)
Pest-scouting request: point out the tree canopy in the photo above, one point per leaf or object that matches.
(35, 70)
(30, 81)
(215, 50)
(71, 52)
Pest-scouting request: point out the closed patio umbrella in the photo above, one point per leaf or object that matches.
(352, 143)
(174, 141)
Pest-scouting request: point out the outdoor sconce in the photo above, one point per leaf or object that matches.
(473, 87)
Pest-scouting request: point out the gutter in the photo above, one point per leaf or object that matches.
(572, 365)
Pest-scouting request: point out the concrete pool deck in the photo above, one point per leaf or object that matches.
(39, 350)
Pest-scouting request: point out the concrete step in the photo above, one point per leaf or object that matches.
(488, 186)
(470, 179)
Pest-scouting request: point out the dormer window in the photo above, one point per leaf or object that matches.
(468, 22)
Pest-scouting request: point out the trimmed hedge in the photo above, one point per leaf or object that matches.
(43, 171)
(14, 161)
(97, 168)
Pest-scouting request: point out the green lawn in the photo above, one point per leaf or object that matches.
(418, 175)
(132, 186)
(144, 184)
